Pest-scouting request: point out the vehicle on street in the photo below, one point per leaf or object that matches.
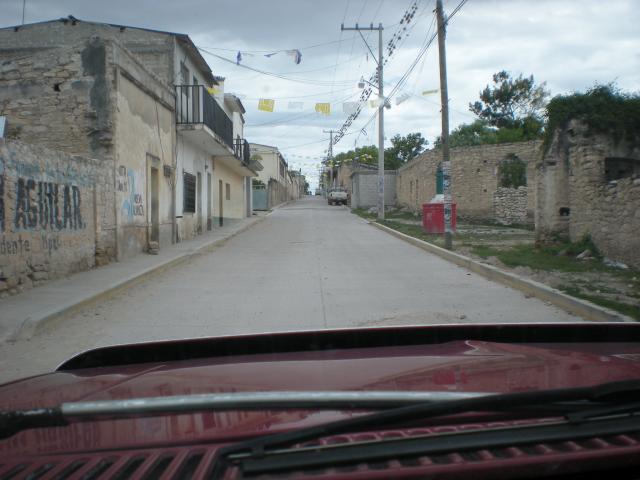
(338, 196)
(454, 401)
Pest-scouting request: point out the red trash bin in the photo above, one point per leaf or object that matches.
(433, 217)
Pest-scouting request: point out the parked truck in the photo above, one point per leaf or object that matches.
(337, 196)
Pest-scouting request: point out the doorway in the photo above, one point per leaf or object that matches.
(220, 202)
(209, 201)
(155, 206)
(199, 202)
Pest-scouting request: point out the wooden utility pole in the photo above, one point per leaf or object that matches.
(444, 100)
(329, 159)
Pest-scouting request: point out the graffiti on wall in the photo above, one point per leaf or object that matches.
(128, 182)
(42, 205)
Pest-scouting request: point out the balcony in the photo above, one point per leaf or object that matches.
(201, 119)
(242, 151)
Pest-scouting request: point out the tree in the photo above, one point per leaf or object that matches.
(515, 104)
(403, 149)
(468, 134)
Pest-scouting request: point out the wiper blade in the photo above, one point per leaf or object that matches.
(12, 422)
(616, 392)
(375, 451)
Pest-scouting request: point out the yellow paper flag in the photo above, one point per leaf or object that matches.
(266, 104)
(430, 92)
(214, 90)
(323, 108)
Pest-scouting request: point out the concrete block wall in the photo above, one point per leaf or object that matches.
(475, 177)
(48, 204)
(364, 185)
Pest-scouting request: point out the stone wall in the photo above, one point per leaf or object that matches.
(63, 99)
(364, 186)
(579, 195)
(510, 205)
(48, 202)
(475, 178)
(95, 98)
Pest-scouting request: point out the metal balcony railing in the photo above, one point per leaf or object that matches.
(195, 105)
(242, 150)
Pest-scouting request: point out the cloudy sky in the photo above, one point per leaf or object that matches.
(569, 44)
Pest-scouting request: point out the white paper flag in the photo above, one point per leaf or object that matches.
(350, 107)
(296, 105)
(402, 98)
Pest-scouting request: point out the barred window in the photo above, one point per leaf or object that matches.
(189, 193)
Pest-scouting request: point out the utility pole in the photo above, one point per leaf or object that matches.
(381, 105)
(329, 157)
(444, 100)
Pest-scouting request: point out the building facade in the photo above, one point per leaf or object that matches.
(146, 104)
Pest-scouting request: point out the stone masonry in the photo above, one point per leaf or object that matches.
(475, 181)
(510, 205)
(48, 203)
(589, 184)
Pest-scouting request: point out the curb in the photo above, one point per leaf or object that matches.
(583, 308)
(31, 326)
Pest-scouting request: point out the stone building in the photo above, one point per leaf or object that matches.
(50, 214)
(589, 184)
(489, 182)
(94, 98)
(147, 105)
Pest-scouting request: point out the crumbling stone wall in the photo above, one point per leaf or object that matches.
(577, 196)
(47, 214)
(475, 178)
(63, 99)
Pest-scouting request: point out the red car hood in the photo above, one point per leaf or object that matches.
(458, 365)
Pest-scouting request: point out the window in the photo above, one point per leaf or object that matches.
(227, 189)
(189, 194)
(513, 172)
(616, 168)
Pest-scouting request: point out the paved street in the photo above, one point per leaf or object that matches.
(307, 265)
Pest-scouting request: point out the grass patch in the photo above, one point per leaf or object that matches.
(414, 231)
(544, 258)
(624, 308)
(361, 212)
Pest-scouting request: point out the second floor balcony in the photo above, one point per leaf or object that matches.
(196, 106)
(201, 119)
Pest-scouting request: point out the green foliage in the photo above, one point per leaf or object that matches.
(403, 149)
(513, 172)
(256, 182)
(603, 108)
(513, 103)
(367, 154)
(480, 132)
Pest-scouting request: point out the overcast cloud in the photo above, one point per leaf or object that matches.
(570, 44)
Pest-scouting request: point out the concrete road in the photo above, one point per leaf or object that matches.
(306, 266)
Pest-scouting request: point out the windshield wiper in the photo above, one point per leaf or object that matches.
(609, 398)
(15, 421)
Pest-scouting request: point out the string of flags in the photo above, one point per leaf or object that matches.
(295, 55)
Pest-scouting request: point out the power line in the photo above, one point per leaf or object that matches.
(271, 74)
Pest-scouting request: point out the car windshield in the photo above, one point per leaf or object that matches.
(232, 171)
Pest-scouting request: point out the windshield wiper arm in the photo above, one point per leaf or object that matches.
(616, 392)
(12, 422)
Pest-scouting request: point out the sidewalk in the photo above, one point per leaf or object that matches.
(22, 315)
